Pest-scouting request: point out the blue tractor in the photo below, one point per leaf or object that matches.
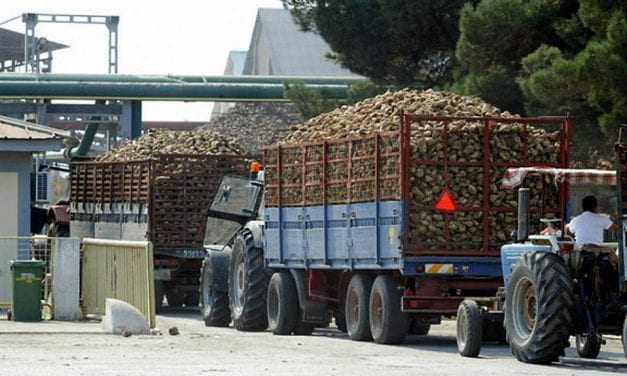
(554, 288)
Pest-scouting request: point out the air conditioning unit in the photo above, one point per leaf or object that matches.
(39, 183)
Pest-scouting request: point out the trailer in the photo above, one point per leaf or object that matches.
(164, 200)
(336, 240)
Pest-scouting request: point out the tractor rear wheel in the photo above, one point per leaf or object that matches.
(214, 296)
(388, 324)
(357, 307)
(248, 285)
(539, 309)
(589, 346)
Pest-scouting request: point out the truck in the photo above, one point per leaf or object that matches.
(332, 236)
(163, 199)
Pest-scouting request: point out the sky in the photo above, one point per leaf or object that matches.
(155, 37)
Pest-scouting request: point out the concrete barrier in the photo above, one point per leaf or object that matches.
(122, 317)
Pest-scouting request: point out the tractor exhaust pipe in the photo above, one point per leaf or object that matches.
(523, 214)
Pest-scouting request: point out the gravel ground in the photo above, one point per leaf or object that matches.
(76, 349)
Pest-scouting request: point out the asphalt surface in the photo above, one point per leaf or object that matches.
(53, 348)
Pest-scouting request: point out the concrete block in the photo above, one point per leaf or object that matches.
(123, 317)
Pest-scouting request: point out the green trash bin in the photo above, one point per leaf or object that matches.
(27, 277)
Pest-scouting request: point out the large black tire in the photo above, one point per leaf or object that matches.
(358, 307)
(469, 329)
(192, 299)
(159, 295)
(248, 285)
(214, 296)
(588, 346)
(539, 309)
(282, 304)
(419, 327)
(624, 338)
(388, 324)
(339, 316)
(175, 298)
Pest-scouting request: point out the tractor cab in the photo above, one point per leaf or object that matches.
(556, 288)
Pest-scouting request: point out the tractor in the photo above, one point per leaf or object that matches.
(555, 288)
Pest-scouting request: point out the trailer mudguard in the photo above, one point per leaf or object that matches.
(311, 311)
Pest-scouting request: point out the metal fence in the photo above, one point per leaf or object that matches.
(22, 248)
(60, 284)
(120, 270)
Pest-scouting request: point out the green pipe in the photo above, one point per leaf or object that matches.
(62, 77)
(88, 139)
(136, 119)
(214, 92)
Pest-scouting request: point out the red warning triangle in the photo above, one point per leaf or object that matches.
(445, 203)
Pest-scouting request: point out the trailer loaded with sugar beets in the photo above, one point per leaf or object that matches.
(387, 232)
(163, 199)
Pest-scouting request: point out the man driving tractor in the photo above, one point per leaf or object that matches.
(588, 226)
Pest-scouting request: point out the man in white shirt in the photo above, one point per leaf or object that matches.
(588, 226)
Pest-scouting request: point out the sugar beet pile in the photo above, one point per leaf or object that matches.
(255, 125)
(170, 142)
(465, 144)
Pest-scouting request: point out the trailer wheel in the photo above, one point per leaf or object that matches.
(357, 307)
(388, 324)
(282, 304)
(589, 346)
(469, 329)
(174, 298)
(214, 290)
(538, 313)
(159, 295)
(624, 338)
(192, 299)
(419, 327)
(248, 285)
(339, 316)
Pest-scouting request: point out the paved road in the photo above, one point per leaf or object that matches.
(212, 351)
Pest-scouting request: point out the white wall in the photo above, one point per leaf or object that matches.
(9, 192)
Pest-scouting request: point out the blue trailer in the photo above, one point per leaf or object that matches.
(338, 237)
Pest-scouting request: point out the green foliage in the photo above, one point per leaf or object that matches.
(495, 86)
(565, 57)
(401, 42)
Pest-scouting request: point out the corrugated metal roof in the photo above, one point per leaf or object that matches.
(14, 129)
(12, 45)
(279, 47)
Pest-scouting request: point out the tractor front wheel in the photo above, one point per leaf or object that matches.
(539, 309)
